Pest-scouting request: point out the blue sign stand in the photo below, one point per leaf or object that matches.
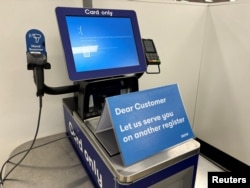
(35, 42)
(146, 122)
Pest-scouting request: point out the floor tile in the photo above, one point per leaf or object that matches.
(204, 166)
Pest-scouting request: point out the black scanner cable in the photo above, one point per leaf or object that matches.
(4, 178)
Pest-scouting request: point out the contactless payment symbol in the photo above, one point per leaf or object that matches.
(35, 41)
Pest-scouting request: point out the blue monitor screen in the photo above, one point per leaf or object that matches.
(101, 43)
(97, 45)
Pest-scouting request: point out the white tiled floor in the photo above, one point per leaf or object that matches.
(204, 166)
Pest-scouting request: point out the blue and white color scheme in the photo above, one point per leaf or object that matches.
(35, 42)
(146, 122)
(100, 43)
(111, 172)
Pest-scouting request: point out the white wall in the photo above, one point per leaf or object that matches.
(18, 101)
(222, 113)
(215, 36)
(178, 31)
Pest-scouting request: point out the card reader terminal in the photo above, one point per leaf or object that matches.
(150, 52)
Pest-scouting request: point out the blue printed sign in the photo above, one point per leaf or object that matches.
(35, 41)
(146, 122)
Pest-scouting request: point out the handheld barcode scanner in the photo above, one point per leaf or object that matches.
(37, 61)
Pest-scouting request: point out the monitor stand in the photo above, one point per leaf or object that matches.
(92, 93)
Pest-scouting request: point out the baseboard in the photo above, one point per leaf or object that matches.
(222, 159)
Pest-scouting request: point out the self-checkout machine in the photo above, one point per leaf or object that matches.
(124, 137)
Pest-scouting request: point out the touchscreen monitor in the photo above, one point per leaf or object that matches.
(100, 43)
